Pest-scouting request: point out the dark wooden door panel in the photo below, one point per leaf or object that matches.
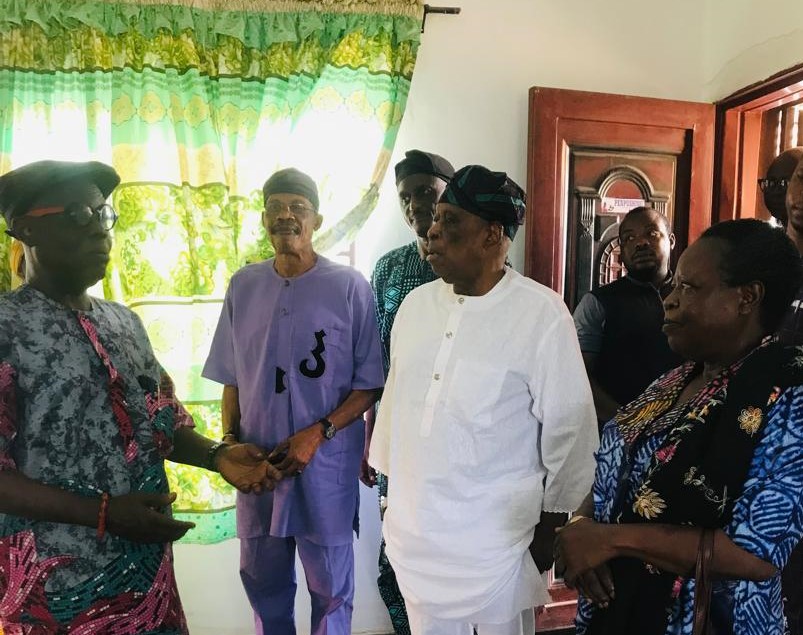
(564, 123)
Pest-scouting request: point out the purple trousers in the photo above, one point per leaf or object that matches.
(267, 570)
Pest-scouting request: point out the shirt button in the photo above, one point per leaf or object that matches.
(286, 283)
(285, 311)
(449, 334)
(437, 376)
(461, 300)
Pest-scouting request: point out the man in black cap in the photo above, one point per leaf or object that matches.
(87, 417)
(298, 353)
(487, 427)
(420, 180)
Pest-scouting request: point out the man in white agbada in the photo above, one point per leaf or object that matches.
(486, 428)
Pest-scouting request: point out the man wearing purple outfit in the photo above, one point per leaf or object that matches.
(298, 353)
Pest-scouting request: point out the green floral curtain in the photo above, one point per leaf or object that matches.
(195, 103)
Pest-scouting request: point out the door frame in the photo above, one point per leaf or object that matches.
(739, 159)
(548, 164)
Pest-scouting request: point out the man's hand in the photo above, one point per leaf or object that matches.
(582, 548)
(139, 517)
(246, 466)
(367, 473)
(542, 548)
(298, 450)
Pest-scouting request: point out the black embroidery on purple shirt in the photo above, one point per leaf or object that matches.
(317, 353)
(280, 386)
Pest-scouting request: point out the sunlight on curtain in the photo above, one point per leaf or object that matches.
(195, 104)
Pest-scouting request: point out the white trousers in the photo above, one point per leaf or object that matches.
(423, 624)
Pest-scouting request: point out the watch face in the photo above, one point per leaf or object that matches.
(328, 429)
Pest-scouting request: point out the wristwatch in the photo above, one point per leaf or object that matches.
(329, 429)
(211, 455)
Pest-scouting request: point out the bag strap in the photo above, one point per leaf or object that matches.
(702, 582)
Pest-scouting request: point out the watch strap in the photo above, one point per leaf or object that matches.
(329, 429)
(211, 455)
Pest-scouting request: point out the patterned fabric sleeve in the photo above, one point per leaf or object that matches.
(8, 414)
(378, 279)
(767, 522)
(167, 397)
(768, 517)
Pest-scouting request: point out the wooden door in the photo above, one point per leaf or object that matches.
(594, 155)
(591, 157)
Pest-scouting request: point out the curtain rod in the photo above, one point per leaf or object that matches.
(430, 9)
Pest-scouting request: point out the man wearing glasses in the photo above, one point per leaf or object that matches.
(87, 417)
(298, 353)
(783, 197)
(773, 186)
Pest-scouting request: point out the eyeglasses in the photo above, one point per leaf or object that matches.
(773, 184)
(299, 210)
(80, 214)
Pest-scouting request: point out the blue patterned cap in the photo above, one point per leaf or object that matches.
(490, 195)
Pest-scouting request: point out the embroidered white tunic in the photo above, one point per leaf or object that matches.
(486, 420)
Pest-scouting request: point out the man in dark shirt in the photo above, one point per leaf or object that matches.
(619, 324)
(774, 185)
(790, 183)
(791, 332)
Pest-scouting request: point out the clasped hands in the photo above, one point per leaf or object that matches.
(141, 517)
(247, 467)
(253, 470)
(582, 552)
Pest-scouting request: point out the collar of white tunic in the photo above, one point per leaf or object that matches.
(481, 302)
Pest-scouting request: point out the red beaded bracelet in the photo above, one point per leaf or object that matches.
(104, 508)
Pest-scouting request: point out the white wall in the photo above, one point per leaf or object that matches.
(748, 41)
(469, 102)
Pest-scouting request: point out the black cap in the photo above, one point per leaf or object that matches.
(292, 181)
(20, 188)
(420, 162)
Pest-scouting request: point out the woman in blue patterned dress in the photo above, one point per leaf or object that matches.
(716, 443)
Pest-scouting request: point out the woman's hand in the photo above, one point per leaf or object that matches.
(583, 549)
(141, 517)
